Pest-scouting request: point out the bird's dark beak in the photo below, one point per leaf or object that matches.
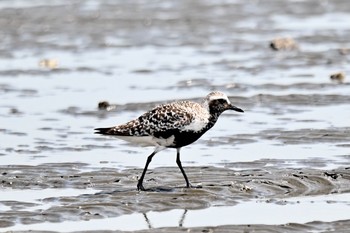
(231, 107)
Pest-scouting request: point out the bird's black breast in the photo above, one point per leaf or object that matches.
(185, 138)
(182, 138)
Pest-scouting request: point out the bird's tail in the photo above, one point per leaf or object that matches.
(104, 131)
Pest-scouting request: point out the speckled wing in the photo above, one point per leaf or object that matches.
(160, 122)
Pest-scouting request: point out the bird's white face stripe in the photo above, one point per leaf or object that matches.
(215, 95)
(219, 97)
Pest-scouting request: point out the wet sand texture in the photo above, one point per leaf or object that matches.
(117, 193)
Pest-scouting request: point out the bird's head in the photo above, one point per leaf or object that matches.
(217, 102)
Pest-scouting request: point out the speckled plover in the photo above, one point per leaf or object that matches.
(172, 125)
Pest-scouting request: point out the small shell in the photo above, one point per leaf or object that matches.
(283, 44)
(48, 63)
(338, 77)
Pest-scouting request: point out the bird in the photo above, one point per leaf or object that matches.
(172, 125)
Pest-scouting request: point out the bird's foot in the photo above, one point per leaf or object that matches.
(189, 185)
(140, 187)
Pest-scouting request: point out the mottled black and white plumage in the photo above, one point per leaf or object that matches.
(172, 125)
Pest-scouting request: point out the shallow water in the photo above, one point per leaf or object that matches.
(270, 214)
(137, 55)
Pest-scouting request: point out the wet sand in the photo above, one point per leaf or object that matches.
(282, 166)
(116, 193)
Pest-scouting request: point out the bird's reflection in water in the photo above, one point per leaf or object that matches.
(181, 220)
(149, 224)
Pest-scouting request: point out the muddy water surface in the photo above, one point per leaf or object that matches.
(287, 154)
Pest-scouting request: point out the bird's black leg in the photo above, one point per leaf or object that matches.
(178, 161)
(139, 183)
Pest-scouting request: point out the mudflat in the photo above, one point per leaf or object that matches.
(113, 193)
(282, 166)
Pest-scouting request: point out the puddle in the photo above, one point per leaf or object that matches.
(320, 208)
(37, 195)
